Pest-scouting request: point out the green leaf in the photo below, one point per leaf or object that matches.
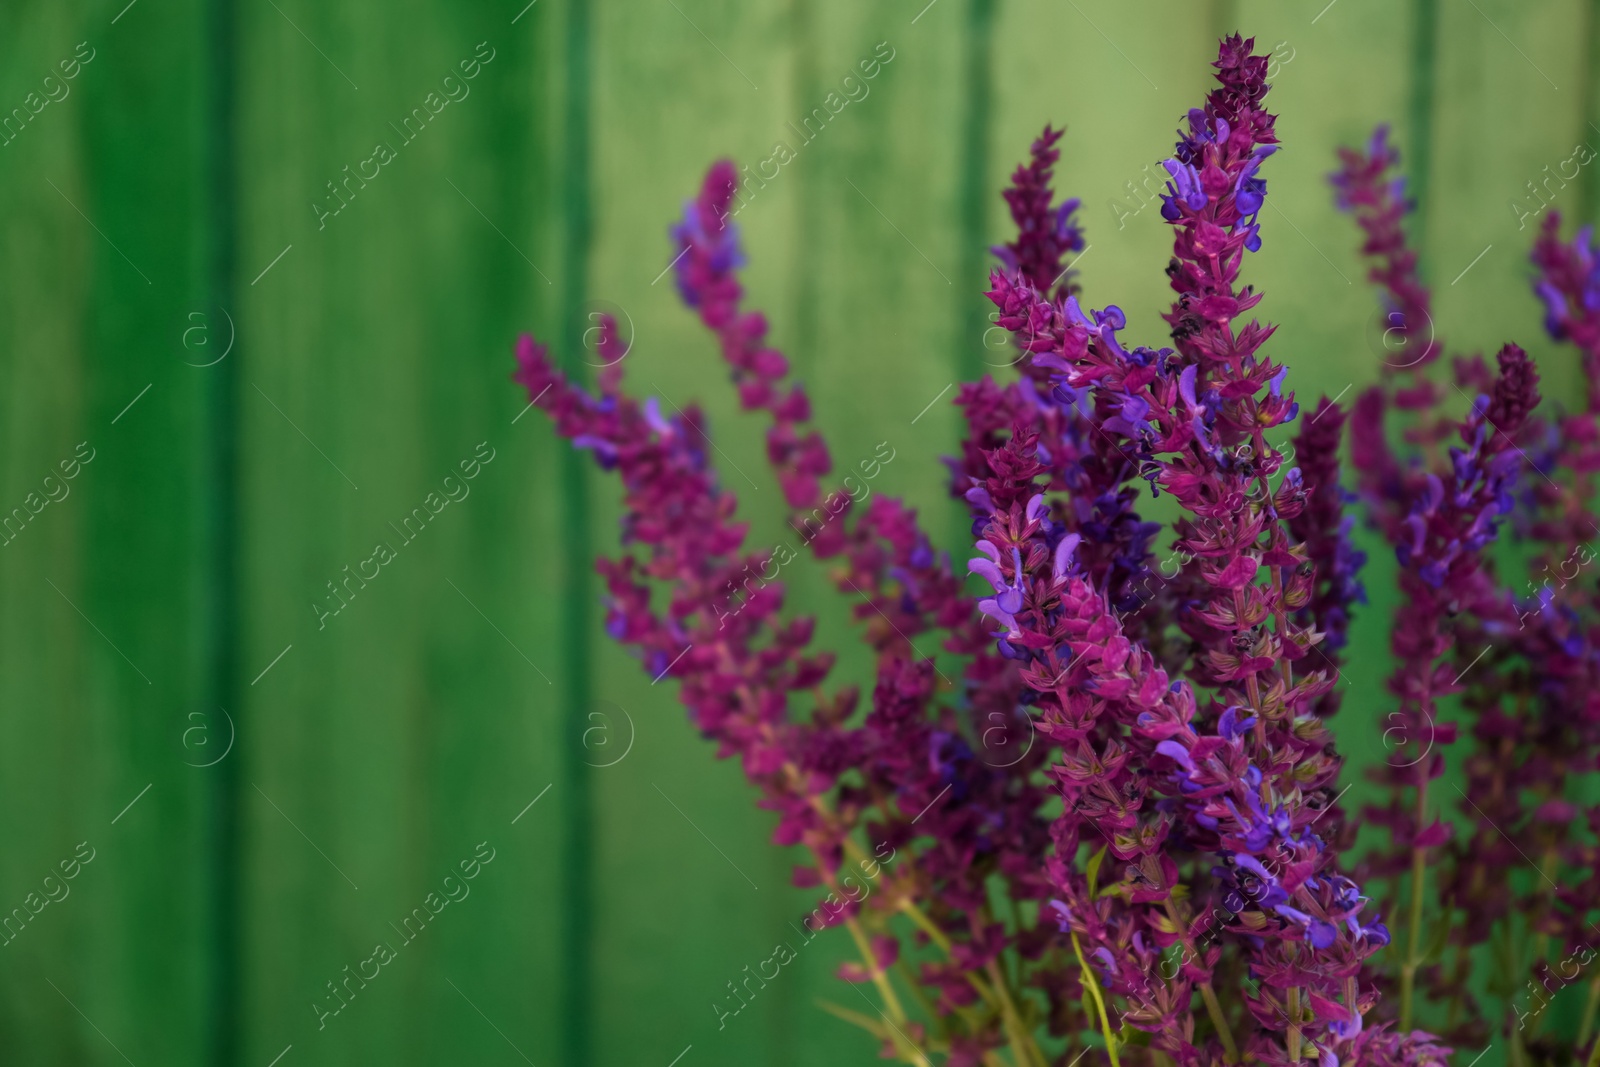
(1093, 870)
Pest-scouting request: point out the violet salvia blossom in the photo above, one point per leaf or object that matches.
(1369, 186)
(1091, 686)
(1088, 470)
(907, 764)
(1569, 285)
(736, 673)
(1045, 230)
(1193, 900)
(885, 547)
(1450, 523)
(1528, 689)
(1197, 417)
(1324, 527)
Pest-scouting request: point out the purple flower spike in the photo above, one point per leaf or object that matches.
(1113, 802)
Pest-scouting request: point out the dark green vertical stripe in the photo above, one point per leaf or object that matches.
(1224, 21)
(973, 224)
(220, 533)
(1590, 193)
(783, 1045)
(803, 47)
(1424, 55)
(577, 853)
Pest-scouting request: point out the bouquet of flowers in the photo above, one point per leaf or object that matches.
(1164, 873)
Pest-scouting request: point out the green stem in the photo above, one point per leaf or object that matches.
(882, 1032)
(927, 926)
(908, 1048)
(1023, 1049)
(891, 1000)
(1586, 1027)
(914, 913)
(922, 1000)
(1214, 1009)
(855, 1018)
(1294, 1024)
(1541, 941)
(1099, 1001)
(1207, 994)
(1408, 969)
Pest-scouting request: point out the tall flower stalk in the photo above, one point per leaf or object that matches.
(1521, 654)
(1158, 867)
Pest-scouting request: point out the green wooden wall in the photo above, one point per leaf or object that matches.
(268, 389)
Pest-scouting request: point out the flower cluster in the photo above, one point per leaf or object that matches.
(1245, 774)
(1516, 870)
(1088, 804)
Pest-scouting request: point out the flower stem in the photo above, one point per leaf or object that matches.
(1294, 1024)
(1408, 968)
(1099, 1002)
(1586, 1027)
(920, 917)
(1023, 1049)
(1207, 994)
(908, 1048)
(927, 925)
(891, 1000)
(941, 939)
(1547, 865)
(916, 914)
(1214, 1009)
(910, 978)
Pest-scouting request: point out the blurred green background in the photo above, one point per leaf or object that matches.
(268, 791)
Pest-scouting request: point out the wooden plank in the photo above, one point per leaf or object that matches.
(417, 721)
(1497, 65)
(903, 170)
(100, 633)
(680, 921)
(390, 739)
